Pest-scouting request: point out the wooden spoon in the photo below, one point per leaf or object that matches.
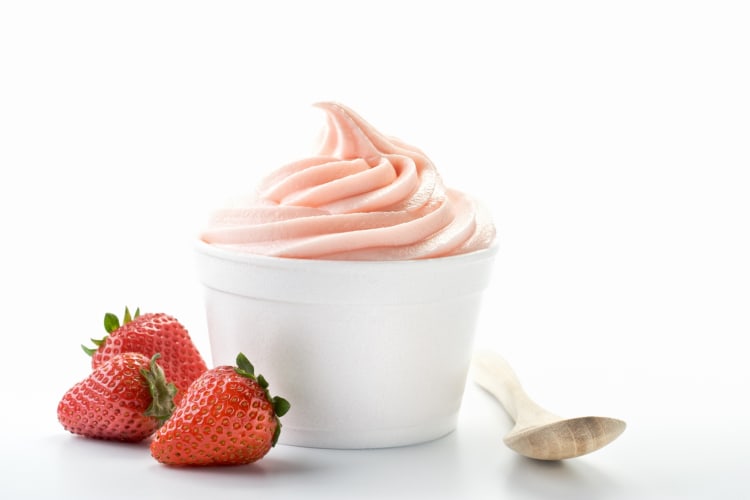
(538, 433)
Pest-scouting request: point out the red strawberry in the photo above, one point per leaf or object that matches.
(126, 399)
(148, 334)
(227, 417)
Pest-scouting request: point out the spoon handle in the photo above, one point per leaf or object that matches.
(493, 373)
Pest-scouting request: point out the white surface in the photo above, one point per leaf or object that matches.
(609, 140)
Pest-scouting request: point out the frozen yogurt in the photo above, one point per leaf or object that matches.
(363, 196)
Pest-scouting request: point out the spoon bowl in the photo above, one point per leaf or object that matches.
(538, 433)
(566, 438)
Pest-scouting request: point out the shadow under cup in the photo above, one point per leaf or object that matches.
(369, 354)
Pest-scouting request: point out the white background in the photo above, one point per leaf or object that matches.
(610, 140)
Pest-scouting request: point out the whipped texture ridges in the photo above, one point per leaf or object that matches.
(364, 196)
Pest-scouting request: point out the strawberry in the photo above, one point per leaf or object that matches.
(125, 398)
(227, 417)
(148, 334)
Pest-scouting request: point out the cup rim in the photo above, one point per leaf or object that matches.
(208, 249)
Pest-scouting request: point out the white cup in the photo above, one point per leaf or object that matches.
(369, 354)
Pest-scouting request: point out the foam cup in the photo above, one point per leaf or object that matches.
(370, 354)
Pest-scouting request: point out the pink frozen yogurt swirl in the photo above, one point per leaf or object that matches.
(364, 196)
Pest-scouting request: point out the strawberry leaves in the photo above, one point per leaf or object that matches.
(162, 392)
(111, 323)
